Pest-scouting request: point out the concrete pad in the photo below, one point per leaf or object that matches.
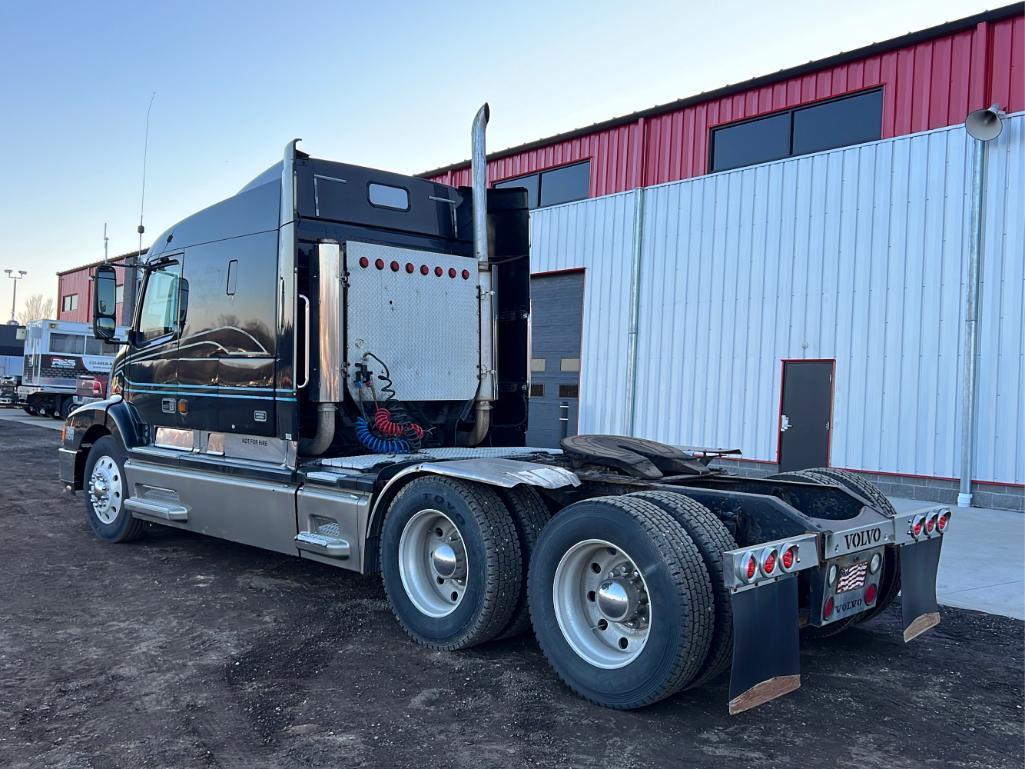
(19, 416)
(982, 565)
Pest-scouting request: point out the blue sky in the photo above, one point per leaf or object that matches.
(384, 84)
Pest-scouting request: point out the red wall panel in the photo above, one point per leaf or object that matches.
(81, 282)
(932, 84)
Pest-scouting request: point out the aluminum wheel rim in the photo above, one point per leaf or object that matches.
(585, 575)
(432, 563)
(105, 490)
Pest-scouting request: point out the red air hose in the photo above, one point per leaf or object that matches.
(384, 425)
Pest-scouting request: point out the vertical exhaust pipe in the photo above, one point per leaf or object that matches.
(487, 389)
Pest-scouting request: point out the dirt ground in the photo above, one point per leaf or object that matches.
(183, 651)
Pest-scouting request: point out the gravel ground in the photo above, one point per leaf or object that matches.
(184, 651)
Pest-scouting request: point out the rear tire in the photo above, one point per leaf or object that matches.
(106, 490)
(620, 601)
(529, 515)
(457, 588)
(66, 408)
(712, 539)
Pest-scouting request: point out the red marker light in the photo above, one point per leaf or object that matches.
(752, 567)
(870, 594)
(466, 274)
(930, 524)
(379, 264)
(943, 520)
(789, 557)
(394, 266)
(410, 267)
(769, 562)
(438, 271)
(364, 262)
(827, 610)
(424, 269)
(451, 272)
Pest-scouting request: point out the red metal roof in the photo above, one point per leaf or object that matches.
(930, 79)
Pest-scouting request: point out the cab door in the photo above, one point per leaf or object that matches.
(151, 384)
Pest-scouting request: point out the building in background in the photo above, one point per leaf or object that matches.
(780, 266)
(75, 289)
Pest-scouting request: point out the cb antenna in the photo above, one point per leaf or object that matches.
(106, 240)
(145, 151)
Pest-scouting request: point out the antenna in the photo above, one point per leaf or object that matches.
(145, 152)
(106, 240)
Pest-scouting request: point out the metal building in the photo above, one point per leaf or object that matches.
(729, 269)
(75, 290)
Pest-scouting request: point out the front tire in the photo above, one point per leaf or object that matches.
(620, 601)
(450, 562)
(106, 490)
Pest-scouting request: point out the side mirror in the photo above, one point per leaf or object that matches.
(105, 303)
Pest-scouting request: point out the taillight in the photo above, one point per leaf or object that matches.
(379, 264)
(394, 266)
(870, 594)
(789, 558)
(451, 272)
(466, 274)
(410, 267)
(827, 610)
(769, 558)
(943, 520)
(97, 388)
(917, 525)
(364, 262)
(930, 522)
(424, 269)
(748, 567)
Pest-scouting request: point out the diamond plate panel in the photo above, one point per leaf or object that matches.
(424, 327)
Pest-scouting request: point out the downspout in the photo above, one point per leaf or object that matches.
(487, 389)
(635, 290)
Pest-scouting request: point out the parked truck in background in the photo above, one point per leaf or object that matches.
(12, 359)
(332, 364)
(57, 353)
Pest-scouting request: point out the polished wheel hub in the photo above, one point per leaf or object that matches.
(105, 491)
(601, 604)
(432, 563)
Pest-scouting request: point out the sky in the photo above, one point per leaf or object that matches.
(384, 84)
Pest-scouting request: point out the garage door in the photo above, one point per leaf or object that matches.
(556, 315)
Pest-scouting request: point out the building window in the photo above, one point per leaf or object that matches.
(557, 185)
(537, 390)
(824, 126)
(569, 391)
(69, 303)
(537, 364)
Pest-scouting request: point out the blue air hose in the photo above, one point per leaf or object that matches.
(376, 444)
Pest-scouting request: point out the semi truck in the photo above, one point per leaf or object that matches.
(57, 354)
(332, 364)
(12, 360)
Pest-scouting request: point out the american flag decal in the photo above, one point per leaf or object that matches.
(852, 577)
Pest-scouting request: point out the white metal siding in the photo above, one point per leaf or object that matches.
(856, 254)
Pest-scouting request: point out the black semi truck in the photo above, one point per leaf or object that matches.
(332, 364)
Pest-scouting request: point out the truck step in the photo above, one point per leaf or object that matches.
(162, 509)
(322, 544)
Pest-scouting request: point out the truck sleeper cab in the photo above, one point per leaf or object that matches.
(333, 364)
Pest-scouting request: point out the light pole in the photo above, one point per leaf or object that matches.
(14, 294)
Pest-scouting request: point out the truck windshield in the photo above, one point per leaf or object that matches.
(159, 314)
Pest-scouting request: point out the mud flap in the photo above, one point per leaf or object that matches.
(766, 652)
(918, 565)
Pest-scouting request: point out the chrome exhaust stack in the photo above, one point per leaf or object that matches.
(487, 390)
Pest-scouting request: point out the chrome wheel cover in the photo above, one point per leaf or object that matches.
(601, 604)
(105, 490)
(432, 563)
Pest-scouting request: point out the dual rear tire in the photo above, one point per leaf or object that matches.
(620, 594)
